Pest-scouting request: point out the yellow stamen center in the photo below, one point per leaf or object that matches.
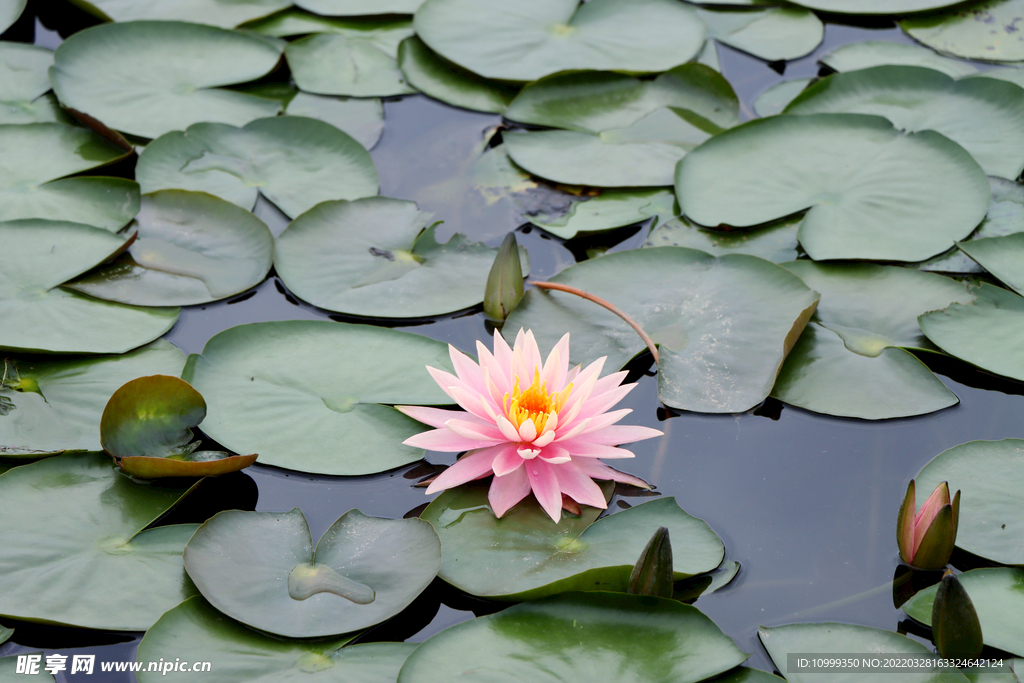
(535, 403)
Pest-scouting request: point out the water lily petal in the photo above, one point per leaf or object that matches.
(474, 402)
(507, 460)
(566, 434)
(446, 441)
(595, 469)
(508, 490)
(603, 420)
(576, 484)
(620, 434)
(508, 430)
(582, 447)
(545, 487)
(435, 417)
(556, 367)
(544, 439)
(597, 404)
(471, 429)
(528, 431)
(468, 371)
(469, 467)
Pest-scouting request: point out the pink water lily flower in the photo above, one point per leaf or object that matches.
(535, 425)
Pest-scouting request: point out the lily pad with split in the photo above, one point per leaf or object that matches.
(776, 98)
(147, 428)
(362, 118)
(24, 84)
(261, 568)
(772, 34)
(984, 29)
(869, 53)
(1000, 256)
(609, 210)
(775, 242)
(436, 77)
(243, 655)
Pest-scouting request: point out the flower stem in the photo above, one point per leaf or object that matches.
(601, 302)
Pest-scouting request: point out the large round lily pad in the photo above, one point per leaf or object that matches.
(150, 77)
(334, 64)
(983, 115)
(609, 210)
(872, 192)
(851, 360)
(523, 556)
(379, 257)
(987, 332)
(775, 242)
(55, 405)
(985, 29)
(826, 638)
(772, 34)
(869, 53)
(295, 162)
(261, 568)
(998, 597)
(433, 75)
(723, 325)
(316, 395)
(361, 118)
(246, 656)
(38, 315)
(874, 6)
(75, 549)
(223, 13)
(578, 637)
(23, 83)
(535, 38)
(987, 473)
(33, 182)
(191, 248)
(592, 102)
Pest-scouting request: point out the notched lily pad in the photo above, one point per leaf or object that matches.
(775, 242)
(609, 210)
(771, 34)
(435, 76)
(147, 428)
(523, 556)
(987, 30)
(24, 84)
(869, 53)
(261, 569)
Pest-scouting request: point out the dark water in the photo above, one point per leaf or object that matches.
(807, 504)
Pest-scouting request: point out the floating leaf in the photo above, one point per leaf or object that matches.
(595, 101)
(872, 192)
(985, 30)
(579, 637)
(150, 77)
(23, 84)
(983, 115)
(315, 395)
(781, 641)
(261, 569)
(523, 556)
(337, 64)
(773, 34)
(223, 13)
(535, 38)
(998, 597)
(100, 567)
(869, 53)
(192, 248)
(9, 13)
(723, 325)
(382, 32)
(609, 210)
(246, 656)
(773, 100)
(775, 242)
(9, 671)
(37, 257)
(379, 257)
(986, 332)
(435, 76)
(886, 7)
(55, 405)
(36, 185)
(987, 474)
(360, 7)
(851, 360)
(295, 162)
(1000, 256)
(361, 118)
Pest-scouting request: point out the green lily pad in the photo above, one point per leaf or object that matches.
(246, 656)
(9, 13)
(578, 637)
(150, 77)
(361, 118)
(998, 597)
(869, 53)
(435, 76)
(985, 30)
(983, 115)
(223, 13)
(261, 569)
(851, 360)
(333, 64)
(992, 505)
(644, 154)
(360, 7)
(593, 102)
(5, 634)
(37, 187)
(55, 405)
(872, 192)
(723, 325)
(986, 332)
(773, 34)
(192, 248)
(827, 638)
(98, 568)
(776, 98)
(1000, 256)
(146, 428)
(1013, 74)
(742, 674)
(379, 257)
(886, 7)
(1005, 217)
(40, 316)
(315, 395)
(295, 162)
(9, 671)
(383, 32)
(535, 38)
(523, 556)
(609, 210)
(775, 242)
(23, 84)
